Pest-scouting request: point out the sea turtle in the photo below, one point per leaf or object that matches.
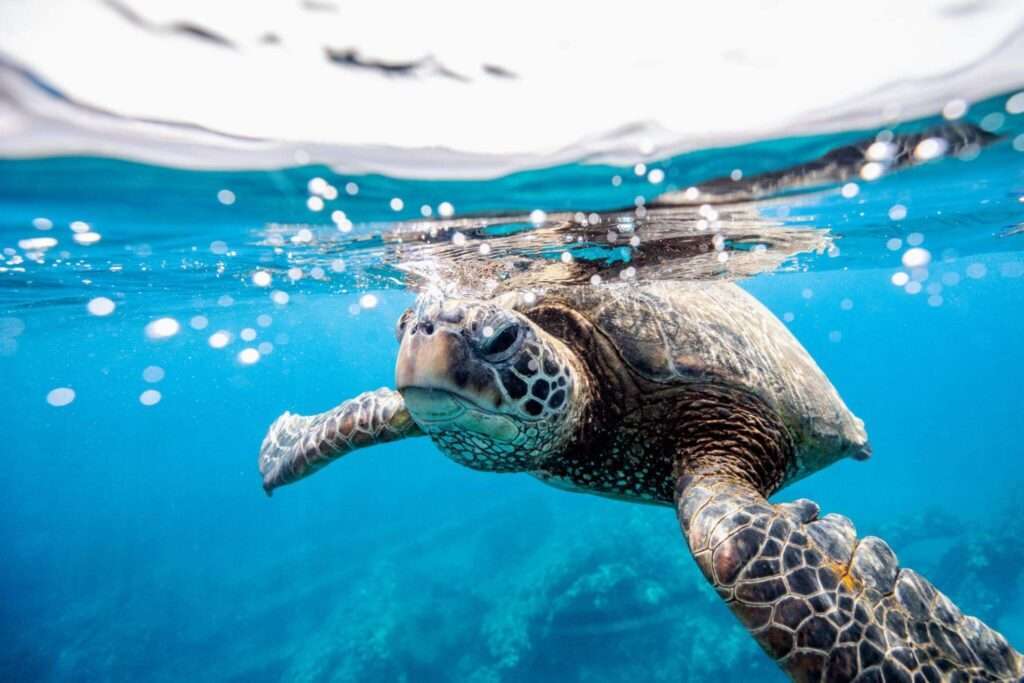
(672, 393)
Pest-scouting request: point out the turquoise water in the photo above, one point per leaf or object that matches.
(139, 545)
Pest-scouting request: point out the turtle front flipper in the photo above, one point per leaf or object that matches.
(825, 604)
(297, 445)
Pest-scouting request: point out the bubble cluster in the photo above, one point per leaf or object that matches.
(37, 243)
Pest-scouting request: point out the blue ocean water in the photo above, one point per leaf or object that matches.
(138, 544)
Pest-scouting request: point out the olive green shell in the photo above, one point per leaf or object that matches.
(681, 333)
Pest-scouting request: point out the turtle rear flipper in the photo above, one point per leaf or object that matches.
(825, 605)
(298, 445)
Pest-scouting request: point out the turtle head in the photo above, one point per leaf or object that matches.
(491, 388)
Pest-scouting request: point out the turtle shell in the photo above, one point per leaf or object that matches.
(682, 333)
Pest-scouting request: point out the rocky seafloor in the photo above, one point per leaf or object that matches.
(543, 596)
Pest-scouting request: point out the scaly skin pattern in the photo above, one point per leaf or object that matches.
(296, 445)
(826, 605)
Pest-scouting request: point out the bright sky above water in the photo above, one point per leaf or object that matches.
(533, 86)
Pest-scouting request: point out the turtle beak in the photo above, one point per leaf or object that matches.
(435, 355)
(427, 359)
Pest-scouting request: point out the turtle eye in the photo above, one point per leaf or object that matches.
(497, 345)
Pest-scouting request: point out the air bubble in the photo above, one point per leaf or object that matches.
(153, 374)
(1015, 104)
(916, 257)
(976, 271)
(86, 238)
(954, 109)
(60, 397)
(162, 328)
(219, 339)
(992, 122)
(150, 397)
(930, 148)
(871, 171)
(100, 306)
